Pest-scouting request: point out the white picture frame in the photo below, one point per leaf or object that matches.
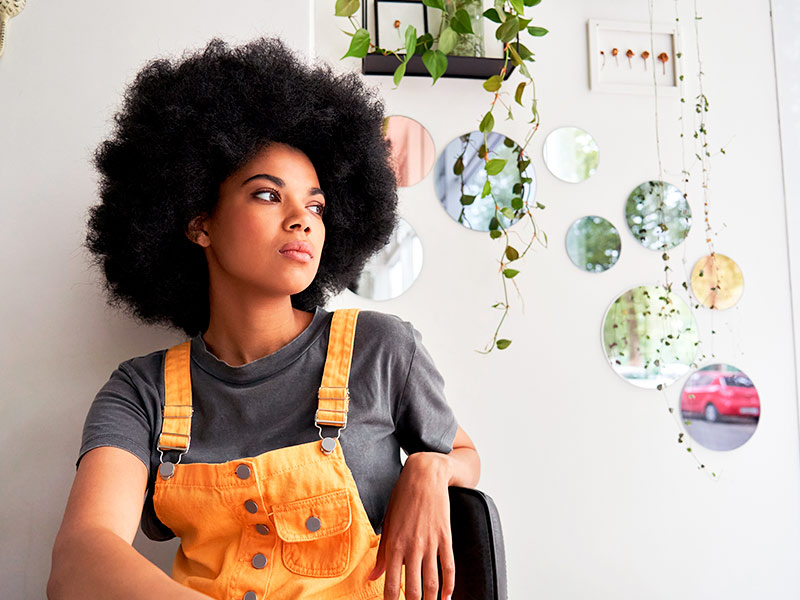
(621, 75)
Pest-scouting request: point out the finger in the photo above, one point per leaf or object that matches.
(413, 577)
(380, 560)
(391, 585)
(430, 577)
(448, 568)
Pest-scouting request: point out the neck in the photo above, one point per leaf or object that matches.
(243, 328)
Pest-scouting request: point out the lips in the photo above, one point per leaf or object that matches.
(298, 250)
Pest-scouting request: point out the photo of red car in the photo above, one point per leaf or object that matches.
(717, 395)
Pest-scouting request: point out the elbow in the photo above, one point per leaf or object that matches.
(59, 569)
(54, 586)
(476, 470)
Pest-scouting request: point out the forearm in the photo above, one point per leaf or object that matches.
(100, 564)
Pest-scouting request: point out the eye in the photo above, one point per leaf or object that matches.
(267, 191)
(321, 208)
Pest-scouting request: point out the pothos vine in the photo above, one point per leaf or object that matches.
(511, 20)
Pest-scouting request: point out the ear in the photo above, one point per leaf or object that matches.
(196, 231)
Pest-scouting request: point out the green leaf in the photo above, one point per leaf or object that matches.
(516, 203)
(487, 188)
(458, 168)
(436, 63)
(518, 94)
(359, 45)
(424, 42)
(434, 4)
(516, 59)
(494, 224)
(523, 23)
(503, 344)
(346, 8)
(493, 83)
(510, 272)
(461, 22)
(448, 40)
(494, 234)
(531, 2)
(523, 50)
(508, 30)
(399, 72)
(467, 200)
(512, 253)
(537, 31)
(487, 123)
(518, 6)
(411, 41)
(495, 165)
(507, 213)
(492, 15)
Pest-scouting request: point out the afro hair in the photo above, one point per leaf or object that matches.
(186, 125)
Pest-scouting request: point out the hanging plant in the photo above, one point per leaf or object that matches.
(702, 156)
(456, 28)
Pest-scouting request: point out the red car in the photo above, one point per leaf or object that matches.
(717, 394)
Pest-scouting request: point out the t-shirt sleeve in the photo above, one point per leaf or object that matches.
(425, 422)
(118, 417)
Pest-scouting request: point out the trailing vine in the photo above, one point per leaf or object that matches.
(509, 15)
(702, 155)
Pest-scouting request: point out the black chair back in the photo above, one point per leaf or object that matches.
(478, 547)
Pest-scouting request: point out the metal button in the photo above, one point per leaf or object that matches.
(251, 595)
(251, 507)
(262, 529)
(259, 561)
(243, 471)
(328, 445)
(313, 523)
(166, 470)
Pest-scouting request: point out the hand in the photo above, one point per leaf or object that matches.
(416, 529)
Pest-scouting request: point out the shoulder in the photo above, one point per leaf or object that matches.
(386, 329)
(381, 336)
(144, 373)
(381, 323)
(146, 367)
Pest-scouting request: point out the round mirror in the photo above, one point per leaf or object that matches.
(461, 180)
(720, 407)
(412, 149)
(717, 281)
(593, 244)
(394, 268)
(571, 154)
(650, 336)
(658, 215)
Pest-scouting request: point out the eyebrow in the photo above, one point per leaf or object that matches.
(280, 183)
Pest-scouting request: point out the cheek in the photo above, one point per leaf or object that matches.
(245, 234)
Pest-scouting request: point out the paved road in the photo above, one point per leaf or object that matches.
(720, 435)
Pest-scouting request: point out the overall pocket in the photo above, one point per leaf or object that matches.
(315, 534)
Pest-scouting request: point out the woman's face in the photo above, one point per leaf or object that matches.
(266, 233)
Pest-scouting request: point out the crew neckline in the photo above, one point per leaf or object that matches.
(265, 366)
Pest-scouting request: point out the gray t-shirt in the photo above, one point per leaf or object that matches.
(396, 401)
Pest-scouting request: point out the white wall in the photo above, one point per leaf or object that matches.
(597, 498)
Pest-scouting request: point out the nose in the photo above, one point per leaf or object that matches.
(297, 217)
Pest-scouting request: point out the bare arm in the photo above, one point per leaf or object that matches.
(416, 528)
(92, 554)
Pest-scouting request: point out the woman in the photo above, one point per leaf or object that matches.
(240, 190)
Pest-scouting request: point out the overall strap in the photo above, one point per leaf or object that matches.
(176, 423)
(333, 395)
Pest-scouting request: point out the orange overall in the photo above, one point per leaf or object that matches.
(285, 524)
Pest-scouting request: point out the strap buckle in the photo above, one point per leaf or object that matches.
(161, 447)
